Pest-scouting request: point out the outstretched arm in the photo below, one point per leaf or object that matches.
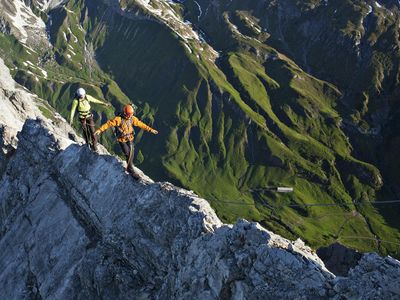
(110, 123)
(73, 108)
(94, 100)
(138, 123)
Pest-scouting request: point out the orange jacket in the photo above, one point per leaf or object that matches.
(124, 127)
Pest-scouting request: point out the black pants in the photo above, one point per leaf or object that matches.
(128, 150)
(88, 131)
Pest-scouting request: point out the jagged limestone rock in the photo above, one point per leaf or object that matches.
(18, 105)
(374, 277)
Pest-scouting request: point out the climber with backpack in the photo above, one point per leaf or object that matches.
(123, 125)
(82, 102)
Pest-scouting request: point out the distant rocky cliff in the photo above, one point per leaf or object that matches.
(73, 225)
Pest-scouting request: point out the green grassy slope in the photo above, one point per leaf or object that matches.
(349, 43)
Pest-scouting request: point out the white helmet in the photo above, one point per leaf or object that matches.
(81, 92)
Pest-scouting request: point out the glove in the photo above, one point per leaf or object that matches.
(153, 131)
(97, 132)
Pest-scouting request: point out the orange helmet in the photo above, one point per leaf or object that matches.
(128, 111)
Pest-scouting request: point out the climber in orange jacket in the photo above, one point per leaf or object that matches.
(125, 134)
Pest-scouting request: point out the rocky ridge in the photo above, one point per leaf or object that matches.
(74, 225)
(23, 22)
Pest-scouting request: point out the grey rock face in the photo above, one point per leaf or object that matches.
(128, 238)
(247, 261)
(17, 105)
(374, 277)
(15, 108)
